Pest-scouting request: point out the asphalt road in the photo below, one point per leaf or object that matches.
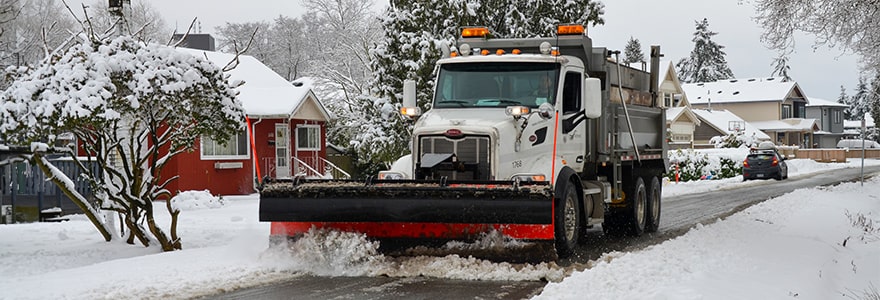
(679, 214)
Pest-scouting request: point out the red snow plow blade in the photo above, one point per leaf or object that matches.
(410, 209)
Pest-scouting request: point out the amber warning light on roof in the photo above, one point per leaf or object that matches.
(474, 32)
(570, 29)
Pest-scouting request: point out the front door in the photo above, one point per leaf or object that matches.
(282, 151)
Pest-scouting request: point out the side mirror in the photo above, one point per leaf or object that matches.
(593, 97)
(409, 108)
(545, 110)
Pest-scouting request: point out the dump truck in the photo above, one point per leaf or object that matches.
(538, 139)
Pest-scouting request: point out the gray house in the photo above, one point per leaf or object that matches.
(829, 115)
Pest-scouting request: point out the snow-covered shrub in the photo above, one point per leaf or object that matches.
(195, 200)
(688, 164)
(706, 164)
(736, 139)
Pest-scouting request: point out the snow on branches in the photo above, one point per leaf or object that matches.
(131, 106)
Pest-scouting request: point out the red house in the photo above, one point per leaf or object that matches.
(285, 136)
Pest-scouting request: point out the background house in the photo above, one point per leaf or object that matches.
(772, 105)
(680, 120)
(285, 136)
(722, 123)
(829, 116)
(852, 129)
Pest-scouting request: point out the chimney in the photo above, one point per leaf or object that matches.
(200, 41)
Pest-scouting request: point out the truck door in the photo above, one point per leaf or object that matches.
(573, 126)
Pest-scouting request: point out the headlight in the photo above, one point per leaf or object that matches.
(390, 175)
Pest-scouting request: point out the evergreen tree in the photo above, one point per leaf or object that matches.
(781, 68)
(875, 104)
(632, 53)
(706, 62)
(414, 34)
(845, 99)
(859, 105)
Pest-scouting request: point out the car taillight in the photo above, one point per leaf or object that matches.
(775, 161)
(746, 163)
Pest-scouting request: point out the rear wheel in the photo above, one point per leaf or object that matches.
(568, 220)
(654, 195)
(631, 219)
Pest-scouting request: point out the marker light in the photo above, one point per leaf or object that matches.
(410, 111)
(472, 32)
(516, 51)
(517, 111)
(484, 52)
(499, 52)
(529, 177)
(571, 29)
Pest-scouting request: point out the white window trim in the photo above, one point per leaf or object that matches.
(247, 151)
(318, 127)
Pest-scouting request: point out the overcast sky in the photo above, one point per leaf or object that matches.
(669, 23)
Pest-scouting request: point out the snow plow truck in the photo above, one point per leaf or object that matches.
(538, 139)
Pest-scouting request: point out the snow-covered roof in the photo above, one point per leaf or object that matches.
(798, 125)
(722, 120)
(264, 93)
(813, 102)
(869, 122)
(739, 90)
(673, 113)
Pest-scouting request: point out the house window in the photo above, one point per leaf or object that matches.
(667, 99)
(66, 140)
(786, 111)
(837, 116)
(681, 138)
(236, 147)
(308, 137)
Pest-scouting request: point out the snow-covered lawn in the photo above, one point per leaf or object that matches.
(803, 245)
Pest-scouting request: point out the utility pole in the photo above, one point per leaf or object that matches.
(116, 8)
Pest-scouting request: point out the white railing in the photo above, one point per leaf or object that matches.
(302, 168)
(334, 171)
(306, 166)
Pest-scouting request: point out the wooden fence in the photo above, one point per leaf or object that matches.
(829, 155)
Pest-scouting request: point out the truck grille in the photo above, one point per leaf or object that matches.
(471, 151)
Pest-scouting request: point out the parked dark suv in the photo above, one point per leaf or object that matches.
(763, 164)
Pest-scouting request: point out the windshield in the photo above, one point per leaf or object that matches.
(496, 84)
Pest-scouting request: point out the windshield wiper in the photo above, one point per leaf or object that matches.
(461, 103)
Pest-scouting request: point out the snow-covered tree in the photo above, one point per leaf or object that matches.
(858, 103)
(707, 61)
(632, 53)
(874, 100)
(131, 106)
(142, 21)
(781, 68)
(850, 24)
(843, 98)
(414, 32)
(29, 26)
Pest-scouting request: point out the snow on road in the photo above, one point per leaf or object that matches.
(789, 247)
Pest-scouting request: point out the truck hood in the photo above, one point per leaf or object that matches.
(489, 121)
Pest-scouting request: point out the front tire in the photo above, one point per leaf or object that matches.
(567, 221)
